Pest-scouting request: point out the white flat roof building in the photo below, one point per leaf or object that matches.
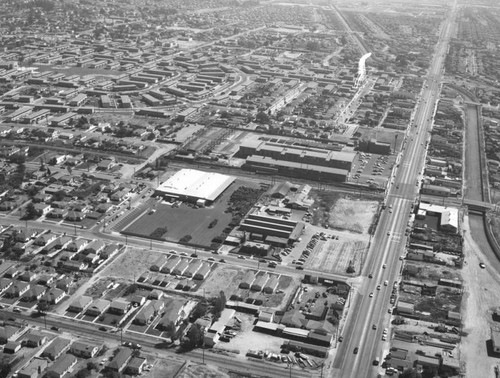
(190, 184)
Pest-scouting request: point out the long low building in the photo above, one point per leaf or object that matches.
(268, 165)
(272, 226)
(195, 186)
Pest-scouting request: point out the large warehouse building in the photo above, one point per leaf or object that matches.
(194, 186)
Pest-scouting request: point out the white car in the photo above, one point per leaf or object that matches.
(371, 295)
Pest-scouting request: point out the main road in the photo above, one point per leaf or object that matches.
(368, 316)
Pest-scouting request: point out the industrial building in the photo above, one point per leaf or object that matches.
(195, 186)
(268, 227)
(314, 156)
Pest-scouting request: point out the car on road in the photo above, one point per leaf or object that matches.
(183, 254)
(299, 267)
(482, 265)
(371, 295)
(242, 257)
(370, 275)
(374, 326)
(388, 233)
(390, 211)
(384, 338)
(385, 331)
(211, 259)
(401, 258)
(386, 283)
(355, 351)
(389, 310)
(222, 260)
(194, 255)
(54, 328)
(341, 339)
(384, 266)
(378, 287)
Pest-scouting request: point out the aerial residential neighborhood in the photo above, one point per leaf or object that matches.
(249, 188)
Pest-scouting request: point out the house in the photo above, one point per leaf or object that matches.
(259, 282)
(57, 347)
(215, 331)
(34, 293)
(34, 339)
(9, 333)
(54, 296)
(120, 360)
(136, 365)
(119, 307)
(137, 300)
(175, 312)
(64, 283)
(98, 307)
(17, 289)
(80, 304)
(77, 245)
(495, 338)
(266, 316)
(95, 247)
(155, 294)
(27, 276)
(148, 312)
(34, 369)
(109, 250)
(12, 347)
(46, 279)
(84, 350)
(42, 208)
(62, 366)
(12, 272)
(45, 239)
(5, 283)
(75, 265)
(271, 285)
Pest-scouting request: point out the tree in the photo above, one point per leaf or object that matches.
(199, 310)
(30, 211)
(193, 338)
(262, 117)
(42, 307)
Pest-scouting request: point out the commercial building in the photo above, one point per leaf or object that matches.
(299, 154)
(194, 186)
(269, 226)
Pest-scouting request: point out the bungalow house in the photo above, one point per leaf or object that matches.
(109, 250)
(5, 283)
(62, 366)
(17, 289)
(9, 333)
(98, 307)
(53, 296)
(247, 280)
(42, 197)
(180, 267)
(271, 285)
(95, 247)
(35, 293)
(77, 245)
(12, 347)
(203, 272)
(57, 347)
(75, 216)
(259, 282)
(42, 208)
(27, 276)
(46, 279)
(175, 312)
(25, 235)
(80, 304)
(34, 339)
(84, 350)
(64, 284)
(135, 365)
(119, 195)
(155, 294)
(119, 307)
(148, 312)
(45, 239)
(120, 360)
(34, 369)
(74, 265)
(137, 300)
(12, 272)
(57, 213)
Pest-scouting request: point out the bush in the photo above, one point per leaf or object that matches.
(185, 239)
(158, 233)
(213, 223)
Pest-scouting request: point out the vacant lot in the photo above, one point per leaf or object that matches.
(352, 215)
(335, 256)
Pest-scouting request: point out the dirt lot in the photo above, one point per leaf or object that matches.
(131, 263)
(200, 370)
(247, 339)
(480, 299)
(352, 215)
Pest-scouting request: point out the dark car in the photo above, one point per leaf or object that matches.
(194, 255)
(341, 339)
(355, 351)
(54, 328)
(299, 267)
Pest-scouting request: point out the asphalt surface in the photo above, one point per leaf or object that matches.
(389, 241)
